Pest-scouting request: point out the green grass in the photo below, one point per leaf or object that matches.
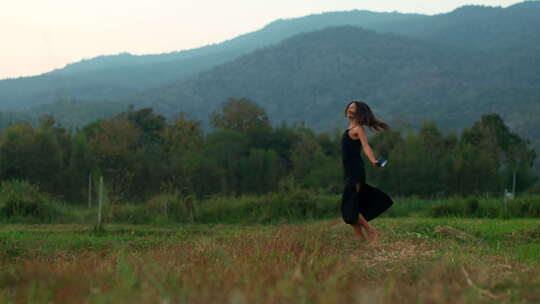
(418, 260)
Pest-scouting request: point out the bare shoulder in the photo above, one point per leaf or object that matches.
(358, 130)
(361, 129)
(360, 133)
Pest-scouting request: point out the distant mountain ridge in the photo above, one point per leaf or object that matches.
(397, 74)
(450, 67)
(272, 33)
(109, 77)
(404, 78)
(113, 76)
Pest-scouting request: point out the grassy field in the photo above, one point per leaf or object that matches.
(417, 260)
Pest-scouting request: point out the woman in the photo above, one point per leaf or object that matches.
(356, 191)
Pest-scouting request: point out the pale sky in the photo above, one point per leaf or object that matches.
(38, 36)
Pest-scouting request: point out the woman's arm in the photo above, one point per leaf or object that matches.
(365, 145)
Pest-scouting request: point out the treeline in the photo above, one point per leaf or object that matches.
(408, 79)
(140, 154)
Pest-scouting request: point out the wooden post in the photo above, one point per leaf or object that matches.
(189, 206)
(514, 185)
(100, 202)
(89, 190)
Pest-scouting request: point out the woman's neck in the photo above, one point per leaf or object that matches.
(353, 123)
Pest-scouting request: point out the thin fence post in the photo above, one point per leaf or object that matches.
(89, 190)
(514, 185)
(100, 202)
(189, 205)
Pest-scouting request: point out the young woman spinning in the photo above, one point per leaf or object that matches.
(353, 142)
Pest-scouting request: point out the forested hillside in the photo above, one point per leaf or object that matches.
(116, 75)
(504, 30)
(311, 76)
(450, 67)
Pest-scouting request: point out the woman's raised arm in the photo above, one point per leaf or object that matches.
(365, 145)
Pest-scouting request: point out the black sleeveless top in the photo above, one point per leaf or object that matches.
(353, 165)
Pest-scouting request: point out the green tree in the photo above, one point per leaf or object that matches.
(16, 147)
(188, 169)
(261, 171)
(33, 155)
(306, 155)
(149, 124)
(241, 115)
(81, 165)
(474, 171)
(113, 143)
(509, 150)
(228, 148)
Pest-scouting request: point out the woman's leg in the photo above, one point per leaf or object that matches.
(358, 229)
(358, 226)
(373, 234)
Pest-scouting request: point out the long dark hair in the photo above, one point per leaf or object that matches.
(364, 116)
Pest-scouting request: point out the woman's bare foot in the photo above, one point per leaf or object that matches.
(361, 236)
(358, 230)
(373, 235)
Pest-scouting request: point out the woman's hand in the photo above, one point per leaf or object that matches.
(376, 164)
(381, 162)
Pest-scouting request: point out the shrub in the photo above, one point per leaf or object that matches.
(529, 206)
(444, 210)
(22, 201)
(126, 213)
(160, 208)
(471, 206)
(535, 189)
(171, 206)
(291, 204)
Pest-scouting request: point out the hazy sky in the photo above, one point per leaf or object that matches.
(38, 36)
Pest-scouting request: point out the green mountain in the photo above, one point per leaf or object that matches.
(110, 77)
(477, 27)
(311, 76)
(503, 30)
(450, 67)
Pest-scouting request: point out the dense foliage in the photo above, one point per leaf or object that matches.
(141, 155)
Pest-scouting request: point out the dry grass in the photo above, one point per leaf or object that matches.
(319, 262)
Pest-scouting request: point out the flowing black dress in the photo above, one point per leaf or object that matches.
(370, 201)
